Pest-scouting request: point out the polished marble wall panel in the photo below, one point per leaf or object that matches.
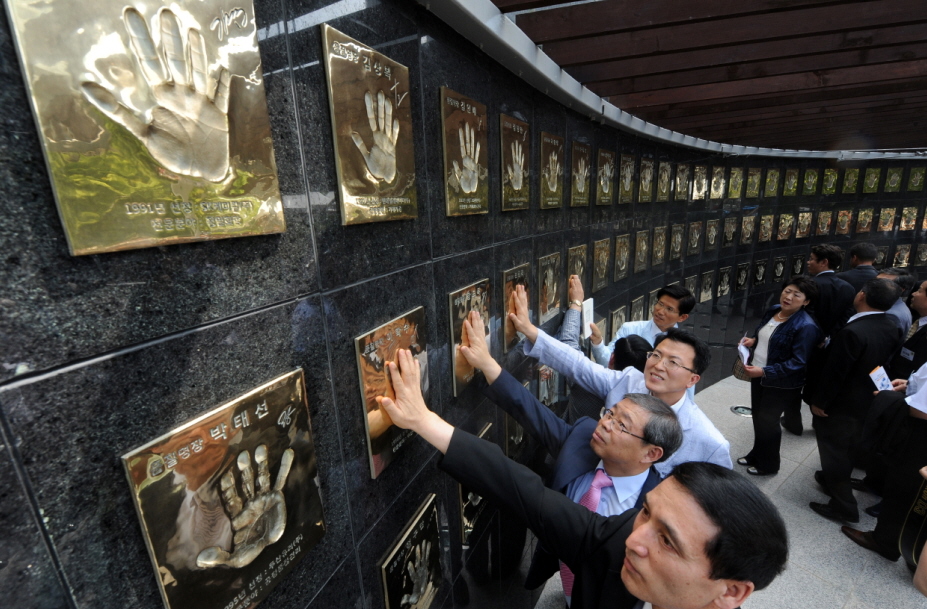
(101, 353)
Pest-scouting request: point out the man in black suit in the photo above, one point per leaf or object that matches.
(624, 442)
(913, 353)
(705, 536)
(844, 393)
(831, 309)
(862, 255)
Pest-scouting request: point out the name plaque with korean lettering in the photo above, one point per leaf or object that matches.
(229, 502)
(153, 120)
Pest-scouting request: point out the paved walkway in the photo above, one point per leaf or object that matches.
(825, 570)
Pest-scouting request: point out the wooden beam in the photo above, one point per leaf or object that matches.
(735, 31)
(772, 49)
(808, 81)
(610, 16)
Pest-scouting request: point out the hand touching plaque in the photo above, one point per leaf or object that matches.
(186, 129)
(261, 519)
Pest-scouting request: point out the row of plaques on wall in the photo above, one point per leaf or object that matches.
(179, 150)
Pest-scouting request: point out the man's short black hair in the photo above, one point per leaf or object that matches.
(864, 252)
(902, 278)
(831, 253)
(881, 294)
(805, 285)
(663, 428)
(702, 352)
(684, 296)
(752, 544)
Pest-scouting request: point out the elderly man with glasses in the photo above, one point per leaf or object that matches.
(604, 465)
(676, 363)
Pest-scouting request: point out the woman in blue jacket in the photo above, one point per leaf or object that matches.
(781, 346)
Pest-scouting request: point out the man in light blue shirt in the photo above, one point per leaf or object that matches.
(900, 311)
(674, 303)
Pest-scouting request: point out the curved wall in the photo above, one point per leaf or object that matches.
(102, 353)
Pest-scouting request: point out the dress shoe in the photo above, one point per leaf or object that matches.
(754, 471)
(874, 510)
(866, 540)
(792, 429)
(830, 513)
(858, 484)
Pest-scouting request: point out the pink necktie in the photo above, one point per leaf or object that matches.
(590, 501)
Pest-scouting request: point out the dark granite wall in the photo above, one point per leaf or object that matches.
(99, 354)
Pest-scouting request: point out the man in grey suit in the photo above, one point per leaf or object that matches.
(862, 255)
(675, 364)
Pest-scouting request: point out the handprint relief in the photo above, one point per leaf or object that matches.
(260, 519)
(469, 176)
(186, 127)
(581, 175)
(606, 173)
(419, 572)
(554, 171)
(515, 171)
(380, 160)
(627, 174)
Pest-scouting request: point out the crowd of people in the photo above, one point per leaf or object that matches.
(642, 508)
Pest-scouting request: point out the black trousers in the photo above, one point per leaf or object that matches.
(768, 404)
(901, 485)
(837, 435)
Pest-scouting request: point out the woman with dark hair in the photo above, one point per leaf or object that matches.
(781, 346)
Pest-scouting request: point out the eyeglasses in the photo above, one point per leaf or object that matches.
(671, 364)
(659, 305)
(608, 415)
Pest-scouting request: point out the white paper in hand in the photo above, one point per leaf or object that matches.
(880, 378)
(744, 352)
(587, 317)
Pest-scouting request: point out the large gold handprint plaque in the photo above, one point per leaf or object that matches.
(371, 110)
(516, 157)
(552, 160)
(229, 502)
(466, 154)
(153, 120)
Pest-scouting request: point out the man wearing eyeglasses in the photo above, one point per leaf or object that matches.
(675, 364)
(674, 303)
(604, 465)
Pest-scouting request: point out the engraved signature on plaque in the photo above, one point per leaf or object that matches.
(155, 129)
(371, 116)
(229, 502)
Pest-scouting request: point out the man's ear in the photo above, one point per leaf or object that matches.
(734, 595)
(654, 454)
(682, 318)
(695, 379)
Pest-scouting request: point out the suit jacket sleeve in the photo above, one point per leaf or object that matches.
(539, 420)
(845, 349)
(567, 529)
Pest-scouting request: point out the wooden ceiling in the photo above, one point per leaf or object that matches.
(804, 74)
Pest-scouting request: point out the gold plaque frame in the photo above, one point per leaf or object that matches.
(601, 252)
(581, 161)
(682, 182)
(470, 504)
(511, 279)
(474, 297)
(754, 179)
(850, 181)
(735, 185)
(664, 182)
(194, 486)
(700, 183)
(374, 349)
(550, 272)
(552, 159)
(645, 192)
(790, 184)
(515, 159)
(465, 142)
(153, 121)
(772, 183)
(605, 183)
(411, 568)
(717, 183)
(625, 176)
(622, 256)
(576, 261)
(810, 183)
(824, 221)
(371, 109)
(829, 182)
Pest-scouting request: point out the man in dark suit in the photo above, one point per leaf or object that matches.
(844, 393)
(705, 537)
(624, 443)
(862, 255)
(831, 310)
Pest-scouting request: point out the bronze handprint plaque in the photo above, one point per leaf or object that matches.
(717, 183)
(550, 271)
(552, 160)
(153, 121)
(516, 156)
(511, 279)
(576, 262)
(601, 252)
(374, 349)
(622, 256)
(664, 181)
(471, 505)
(466, 154)
(229, 502)
(371, 110)
(625, 177)
(411, 568)
(700, 183)
(645, 192)
(682, 182)
(581, 162)
(474, 297)
(605, 178)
